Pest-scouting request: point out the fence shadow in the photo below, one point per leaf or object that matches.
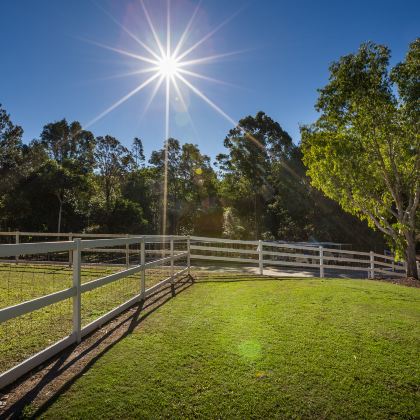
(42, 387)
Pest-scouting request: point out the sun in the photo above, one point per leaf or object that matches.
(171, 67)
(168, 66)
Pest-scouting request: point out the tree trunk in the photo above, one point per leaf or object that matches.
(60, 210)
(255, 217)
(411, 256)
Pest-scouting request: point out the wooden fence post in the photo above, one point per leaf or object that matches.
(372, 265)
(321, 261)
(260, 257)
(77, 298)
(143, 269)
(17, 242)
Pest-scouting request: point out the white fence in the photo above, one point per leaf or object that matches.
(137, 254)
(316, 259)
(76, 247)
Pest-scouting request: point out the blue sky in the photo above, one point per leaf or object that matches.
(49, 71)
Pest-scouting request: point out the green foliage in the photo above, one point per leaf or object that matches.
(64, 141)
(98, 185)
(364, 150)
(125, 217)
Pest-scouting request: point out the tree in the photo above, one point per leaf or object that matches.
(50, 183)
(255, 146)
(191, 188)
(11, 150)
(137, 151)
(125, 216)
(65, 141)
(113, 161)
(200, 210)
(364, 150)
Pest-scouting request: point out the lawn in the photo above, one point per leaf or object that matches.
(259, 348)
(24, 336)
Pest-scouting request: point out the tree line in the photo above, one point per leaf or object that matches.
(69, 180)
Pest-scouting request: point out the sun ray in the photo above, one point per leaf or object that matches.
(122, 100)
(209, 58)
(165, 183)
(218, 109)
(123, 52)
(202, 76)
(186, 30)
(209, 35)
(184, 104)
(206, 99)
(152, 28)
(152, 95)
(168, 28)
(129, 33)
(130, 73)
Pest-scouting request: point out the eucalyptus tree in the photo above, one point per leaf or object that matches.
(11, 151)
(137, 151)
(112, 161)
(254, 146)
(364, 149)
(64, 141)
(191, 188)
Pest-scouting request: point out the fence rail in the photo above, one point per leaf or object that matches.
(76, 247)
(134, 255)
(267, 254)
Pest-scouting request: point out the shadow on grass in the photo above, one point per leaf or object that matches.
(68, 366)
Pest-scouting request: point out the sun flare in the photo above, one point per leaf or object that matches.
(168, 66)
(171, 67)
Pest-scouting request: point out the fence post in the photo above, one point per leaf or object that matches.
(172, 258)
(372, 265)
(321, 262)
(127, 253)
(260, 257)
(143, 269)
(70, 252)
(77, 298)
(17, 242)
(189, 254)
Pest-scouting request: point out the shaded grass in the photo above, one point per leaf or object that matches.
(262, 348)
(24, 336)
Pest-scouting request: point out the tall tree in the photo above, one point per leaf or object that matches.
(364, 150)
(64, 141)
(113, 161)
(137, 151)
(254, 146)
(11, 150)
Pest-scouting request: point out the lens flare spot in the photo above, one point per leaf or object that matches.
(250, 350)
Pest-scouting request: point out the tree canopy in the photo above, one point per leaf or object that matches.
(97, 184)
(364, 149)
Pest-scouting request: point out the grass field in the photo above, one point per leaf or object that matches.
(23, 336)
(262, 348)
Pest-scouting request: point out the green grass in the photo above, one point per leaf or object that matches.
(262, 349)
(24, 336)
